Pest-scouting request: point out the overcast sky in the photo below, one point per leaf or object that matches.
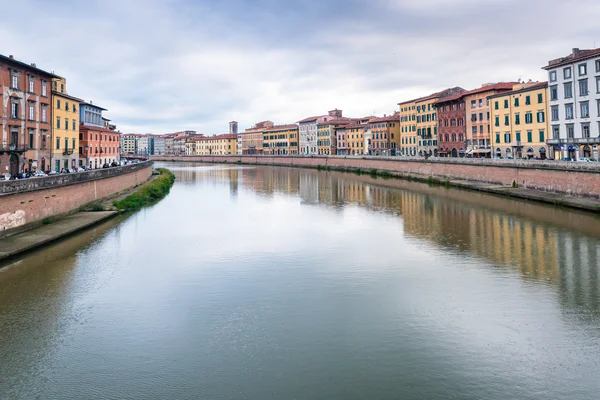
(167, 65)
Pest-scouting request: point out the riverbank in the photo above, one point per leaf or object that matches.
(151, 192)
(18, 244)
(566, 185)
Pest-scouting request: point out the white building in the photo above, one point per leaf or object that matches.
(574, 104)
(145, 145)
(308, 132)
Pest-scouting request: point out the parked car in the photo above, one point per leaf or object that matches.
(114, 164)
(105, 165)
(81, 169)
(5, 177)
(39, 174)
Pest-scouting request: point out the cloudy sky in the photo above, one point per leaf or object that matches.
(167, 65)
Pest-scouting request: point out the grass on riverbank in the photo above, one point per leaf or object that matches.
(155, 190)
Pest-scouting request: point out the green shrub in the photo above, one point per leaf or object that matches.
(48, 220)
(97, 207)
(385, 174)
(155, 190)
(357, 171)
(373, 172)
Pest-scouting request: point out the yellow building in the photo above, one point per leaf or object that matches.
(252, 138)
(225, 144)
(408, 128)
(355, 138)
(190, 147)
(65, 127)
(384, 135)
(427, 125)
(519, 123)
(281, 140)
(326, 135)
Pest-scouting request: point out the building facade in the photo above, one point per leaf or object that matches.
(574, 104)
(408, 128)
(145, 145)
(340, 140)
(519, 123)
(98, 146)
(478, 122)
(225, 144)
(65, 127)
(355, 138)
(382, 135)
(159, 145)
(129, 144)
(308, 131)
(26, 110)
(281, 140)
(252, 138)
(451, 125)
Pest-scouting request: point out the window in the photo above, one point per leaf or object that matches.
(44, 134)
(497, 122)
(74, 108)
(507, 138)
(598, 84)
(57, 123)
(506, 103)
(529, 136)
(540, 98)
(528, 118)
(480, 102)
(31, 112)
(542, 136)
(58, 104)
(473, 103)
(30, 138)
(585, 129)
(62, 87)
(553, 93)
(44, 113)
(527, 100)
(496, 106)
(14, 81)
(66, 143)
(14, 110)
(568, 90)
(44, 88)
(570, 131)
(506, 120)
(31, 85)
(74, 125)
(585, 109)
(474, 129)
(567, 73)
(582, 69)
(518, 136)
(517, 119)
(554, 113)
(541, 118)
(66, 124)
(583, 87)
(66, 105)
(57, 143)
(569, 111)
(481, 128)
(552, 76)
(516, 102)
(555, 132)
(55, 85)
(597, 65)
(497, 138)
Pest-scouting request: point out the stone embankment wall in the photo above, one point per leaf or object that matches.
(572, 178)
(28, 201)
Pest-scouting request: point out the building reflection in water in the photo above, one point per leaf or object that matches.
(541, 242)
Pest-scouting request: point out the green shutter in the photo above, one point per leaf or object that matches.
(497, 120)
(506, 120)
(496, 105)
(518, 136)
(506, 103)
(516, 102)
(542, 139)
(517, 119)
(497, 138)
(529, 137)
(527, 100)
(540, 98)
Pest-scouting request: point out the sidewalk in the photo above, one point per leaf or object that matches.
(25, 241)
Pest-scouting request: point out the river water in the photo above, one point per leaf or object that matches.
(279, 283)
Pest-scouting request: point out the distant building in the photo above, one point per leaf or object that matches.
(574, 104)
(308, 131)
(252, 138)
(98, 145)
(159, 145)
(408, 128)
(225, 144)
(128, 144)
(382, 135)
(145, 145)
(452, 133)
(281, 140)
(26, 114)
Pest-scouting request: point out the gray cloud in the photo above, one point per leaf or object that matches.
(165, 65)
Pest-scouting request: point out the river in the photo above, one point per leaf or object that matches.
(279, 283)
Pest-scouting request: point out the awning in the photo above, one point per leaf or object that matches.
(482, 151)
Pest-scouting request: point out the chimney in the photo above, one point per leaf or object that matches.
(11, 57)
(33, 65)
(576, 52)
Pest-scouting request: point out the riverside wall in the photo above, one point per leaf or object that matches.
(24, 203)
(570, 178)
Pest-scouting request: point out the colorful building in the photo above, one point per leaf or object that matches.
(129, 144)
(252, 138)
(427, 121)
(574, 105)
(26, 116)
(281, 140)
(326, 134)
(65, 130)
(478, 126)
(383, 135)
(451, 125)
(224, 144)
(340, 140)
(308, 131)
(355, 138)
(408, 128)
(519, 123)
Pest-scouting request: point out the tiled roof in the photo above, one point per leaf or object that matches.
(222, 136)
(335, 121)
(527, 87)
(282, 128)
(576, 55)
(387, 118)
(27, 66)
(493, 86)
(311, 119)
(97, 129)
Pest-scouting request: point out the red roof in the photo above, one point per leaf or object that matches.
(387, 118)
(526, 88)
(576, 55)
(282, 128)
(97, 129)
(311, 118)
(335, 121)
(222, 136)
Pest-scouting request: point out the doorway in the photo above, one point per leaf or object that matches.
(14, 164)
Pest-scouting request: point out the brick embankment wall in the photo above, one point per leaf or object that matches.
(576, 179)
(26, 202)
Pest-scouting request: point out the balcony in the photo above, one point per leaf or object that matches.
(13, 148)
(588, 140)
(67, 152)
(517, 143)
